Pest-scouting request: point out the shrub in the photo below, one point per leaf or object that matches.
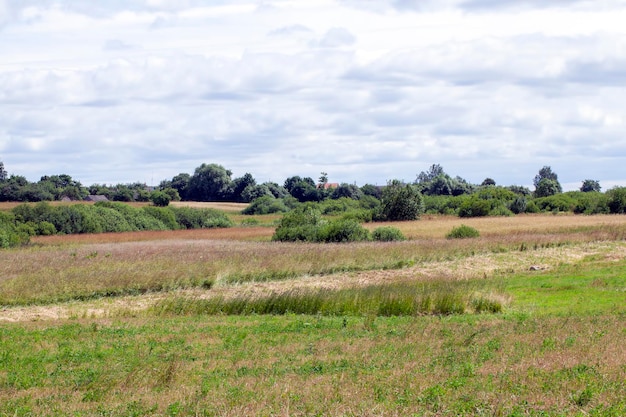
(617, 200)
(463, 232)
(300, 224)
(190, 218)
(340, 231)
(556, 203)
(519, 205)
(160, 198)
(387, 234)
(163, 215)
(266, 205)
(10, 236)
(360, 215)
(500, 210)
(475, 207)
(401, 202)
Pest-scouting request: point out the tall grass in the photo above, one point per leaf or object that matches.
(400, 299)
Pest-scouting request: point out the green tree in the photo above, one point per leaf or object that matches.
(546, 183)
(590, 186)
(210, 182)
(547, 187)
(348, 191)
(181, 184)
(401, 202)
(240, 184)
(3, 173)
(617, 200)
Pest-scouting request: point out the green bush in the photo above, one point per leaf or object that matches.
(387, 234)
(360, 215)
(555, 203)
(475, 207)
(340, 231)
(305, 224)
(463, 232)
(160, 198)
(401, 202)
(500, 210)
(10, 236)
(191, 218)
(617, 200)
(300, 224)
(163, 215)
(518, 205)
(266, 205)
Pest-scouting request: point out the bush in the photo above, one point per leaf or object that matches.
(10, 236)
(160, 198)
(340, 231)
(617, 200)
(163, 215)
(401, 202)
(463, 232)
(387, 234)
(305, 224)
(300, 224)
(556, 203)
(266, 205)
(475, 207)
(519, 205)
(190, 218)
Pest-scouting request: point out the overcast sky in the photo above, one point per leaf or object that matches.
(121, 91)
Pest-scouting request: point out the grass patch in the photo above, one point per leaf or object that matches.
(401, 299)
(314, 365)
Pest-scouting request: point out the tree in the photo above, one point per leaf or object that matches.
(252, 192)
(487, 182)
(547, 187)
(210, 183)
(590, 185)
(434, 171)
(546, 173)
(323, 180)
(181, 184)
(401, 202)
(240, 184)
(3, 173)
(348, 191)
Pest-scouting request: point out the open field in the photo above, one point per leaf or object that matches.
(138, 323)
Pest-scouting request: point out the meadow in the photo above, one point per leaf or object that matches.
(526, 320)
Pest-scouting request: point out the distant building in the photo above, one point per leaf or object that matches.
(330, 185)
(96, 198)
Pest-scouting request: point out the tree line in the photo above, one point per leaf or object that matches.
(432, 191)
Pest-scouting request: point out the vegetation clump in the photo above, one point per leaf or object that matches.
(388, 234)
(306, 224)
(463, 232)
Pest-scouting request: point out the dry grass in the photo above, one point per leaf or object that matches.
(439, 226)
(227, 207)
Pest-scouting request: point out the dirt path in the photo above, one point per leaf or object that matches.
(459, 269)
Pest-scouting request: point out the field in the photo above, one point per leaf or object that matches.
(526, 320)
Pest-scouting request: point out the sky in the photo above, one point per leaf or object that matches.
(124, 91)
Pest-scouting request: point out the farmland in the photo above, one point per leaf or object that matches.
(226, 322)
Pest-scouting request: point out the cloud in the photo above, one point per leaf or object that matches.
(116, 45)
(337, 37)
(293, 30)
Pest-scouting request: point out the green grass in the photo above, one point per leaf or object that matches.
(589, 287)
(313, 365)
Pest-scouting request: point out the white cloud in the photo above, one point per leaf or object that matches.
(367, 91)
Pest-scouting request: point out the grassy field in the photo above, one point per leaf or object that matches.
(527, 320)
